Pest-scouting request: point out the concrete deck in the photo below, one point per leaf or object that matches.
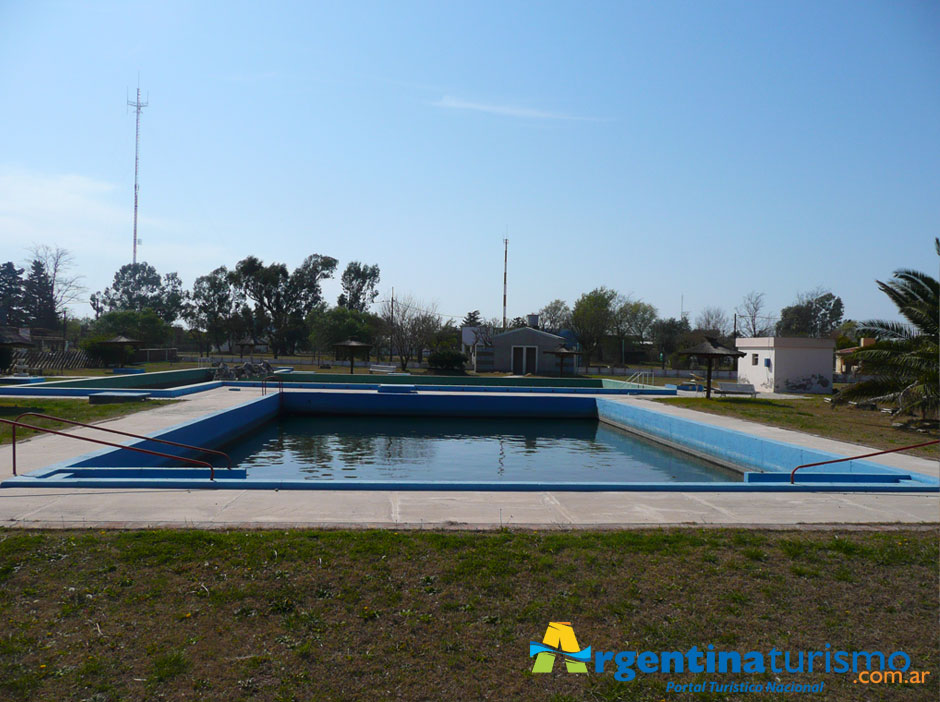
(98, 508)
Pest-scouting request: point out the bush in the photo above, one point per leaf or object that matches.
(107, 354)
(6, 358)
(447, 360)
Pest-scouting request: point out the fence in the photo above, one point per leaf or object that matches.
(42, 362)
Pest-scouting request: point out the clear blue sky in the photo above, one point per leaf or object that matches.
(659, 148)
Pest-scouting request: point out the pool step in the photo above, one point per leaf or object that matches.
(398, 389)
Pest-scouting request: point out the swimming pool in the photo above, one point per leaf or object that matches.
(765, 463)
(447, 449)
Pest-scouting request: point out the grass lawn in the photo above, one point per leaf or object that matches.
(815, 416)
(77, 409)
(379, 615)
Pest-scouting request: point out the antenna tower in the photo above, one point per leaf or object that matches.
(505, 262)
(138, 107)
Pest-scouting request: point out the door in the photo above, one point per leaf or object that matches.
(531, 354)
(518, 360)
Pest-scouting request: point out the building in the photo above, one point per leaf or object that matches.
(786, 364)
(846, 365)
(521, 351)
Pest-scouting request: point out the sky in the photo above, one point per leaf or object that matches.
(682, 153)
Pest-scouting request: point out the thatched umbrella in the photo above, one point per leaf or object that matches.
(711, 349)
(562, 353)
(122, 341)
(352, 346)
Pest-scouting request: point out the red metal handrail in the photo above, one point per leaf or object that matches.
(866, 455)
(264, 384)
(122, 433)
(193, 461)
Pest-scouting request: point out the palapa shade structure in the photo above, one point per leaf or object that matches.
(710, 349)
(121, 340)
(13, 339)
(562, 353)
(352, 346)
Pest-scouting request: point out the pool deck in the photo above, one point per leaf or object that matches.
(226, 509)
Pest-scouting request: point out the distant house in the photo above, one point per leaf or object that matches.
(786, 364)
(521, 351)
(843, 363)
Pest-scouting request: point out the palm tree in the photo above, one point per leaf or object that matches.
(905, 361)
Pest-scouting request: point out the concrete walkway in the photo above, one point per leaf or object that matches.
(58, 508)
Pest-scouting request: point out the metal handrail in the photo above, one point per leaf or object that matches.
(193, 461)
(264, 384)
(122, 433)
(866, 455)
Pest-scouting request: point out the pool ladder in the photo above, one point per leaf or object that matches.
(14, 423)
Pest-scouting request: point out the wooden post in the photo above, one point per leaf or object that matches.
(708, 380)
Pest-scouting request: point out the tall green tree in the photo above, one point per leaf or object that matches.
(904, 361)
(472, 319)
(591, 319)
(667, 333)
(213, 304)
(359, 282)
(555, 316)
(138, 286)
(816, 314)
(283, 299)
(11, 296)
(38, 298)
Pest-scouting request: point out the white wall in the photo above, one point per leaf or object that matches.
(797, 365)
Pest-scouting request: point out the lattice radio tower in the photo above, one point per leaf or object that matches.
(138, 107)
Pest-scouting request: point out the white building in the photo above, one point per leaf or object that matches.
(786, 364)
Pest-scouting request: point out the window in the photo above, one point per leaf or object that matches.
(753, 359)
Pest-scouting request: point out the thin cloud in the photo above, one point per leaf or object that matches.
(451, 103)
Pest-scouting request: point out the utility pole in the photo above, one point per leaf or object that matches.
(138, 107)
(505, 266)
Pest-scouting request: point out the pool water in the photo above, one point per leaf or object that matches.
(298, 447)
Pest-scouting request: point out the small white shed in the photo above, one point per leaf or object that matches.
(786, 364)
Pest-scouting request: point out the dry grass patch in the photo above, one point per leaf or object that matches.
(378, 615)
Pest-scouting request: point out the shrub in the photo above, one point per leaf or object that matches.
(6, 358)
(447, 360)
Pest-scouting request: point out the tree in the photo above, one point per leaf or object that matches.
(639, 318)
(138, 286)
(145, 326)
(714, 321)
(472, 319)
(406, 328)
(359, 286)
(213, 304)
(555, 316)
(172, 299)
(11, 296)
(281, 298)
(668, 332)
(816, 313)
(426, 326)
(591, 319)
(58, 262)
(904, 359)
(753, 323)
(517, 323)
(38, 299)
(331, 326)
